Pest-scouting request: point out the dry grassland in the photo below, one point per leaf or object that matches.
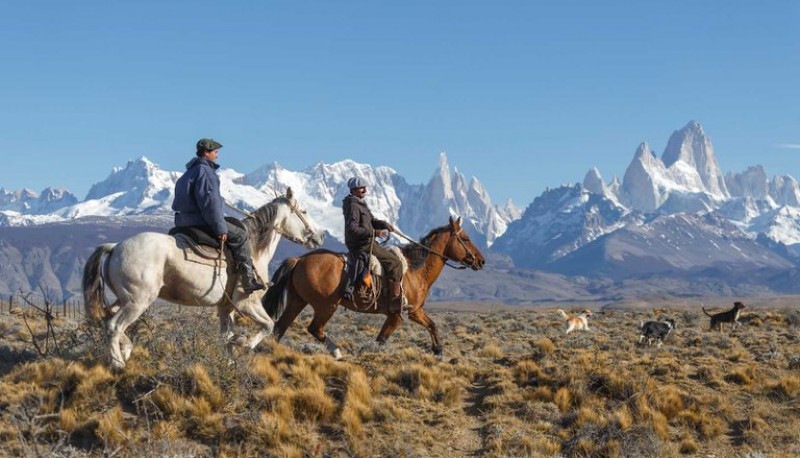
(510, 384)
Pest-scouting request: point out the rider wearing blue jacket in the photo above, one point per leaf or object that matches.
(198, 203)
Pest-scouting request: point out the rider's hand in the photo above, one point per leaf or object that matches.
(389, 228)
(223, 238)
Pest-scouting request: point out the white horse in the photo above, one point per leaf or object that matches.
(150, 265)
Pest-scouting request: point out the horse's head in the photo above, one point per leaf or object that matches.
(293, 222)
(460, 248)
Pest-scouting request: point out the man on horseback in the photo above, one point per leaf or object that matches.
(360, 229)
(198, 203)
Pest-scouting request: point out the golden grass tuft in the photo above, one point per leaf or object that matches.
(739, 376)
(623, 418)
(785, 389)
(707, 426)
(312, 404)
(545, 346)
(262, 367)
(689, 446)
(166, 430)
(563, 399)
(200, 384)
(168, 401)
(491, 350)
(527, 372)
(110, 428)
(668, 401)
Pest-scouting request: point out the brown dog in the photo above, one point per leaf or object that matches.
(731, 316)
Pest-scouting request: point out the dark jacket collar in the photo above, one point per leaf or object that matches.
(353, 198)
(201, 160)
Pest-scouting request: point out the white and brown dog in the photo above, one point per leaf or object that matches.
(579, 321)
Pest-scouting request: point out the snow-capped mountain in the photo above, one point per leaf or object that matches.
(448, 193)
(142, 187)
(687, 175)
(559, 222)
(683, 192)
(28, 202)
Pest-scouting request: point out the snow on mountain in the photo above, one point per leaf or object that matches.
(692, 147)
(780, 224)
(753, 182)
(449, 194)
(559, 222)
(27, 202)
(415, 209)
(142, 187)
(687, 174)
(785, 191)
(674, 245)
(593, 182)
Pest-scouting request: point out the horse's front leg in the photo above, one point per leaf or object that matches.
(419, 316)
(225, 312)
(317, 329)
(392, 322)
(250, 306)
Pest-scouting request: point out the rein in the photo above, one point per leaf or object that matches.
(446, 259)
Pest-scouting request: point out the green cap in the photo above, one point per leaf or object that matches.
(208, 144)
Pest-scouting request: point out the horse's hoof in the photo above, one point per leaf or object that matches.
(240, 341)
(438, 351)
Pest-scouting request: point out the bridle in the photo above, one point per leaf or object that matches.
(306, 231)
(470, 261)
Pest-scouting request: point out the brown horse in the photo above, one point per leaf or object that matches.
(317, 277)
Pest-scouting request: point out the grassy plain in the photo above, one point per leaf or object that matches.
(510, 384)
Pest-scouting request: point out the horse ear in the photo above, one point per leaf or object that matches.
(289, 193)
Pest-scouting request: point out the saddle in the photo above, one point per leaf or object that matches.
(200, 245)
(364, 278)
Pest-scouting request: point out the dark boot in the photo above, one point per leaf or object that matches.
(395, 297)
(248, 278)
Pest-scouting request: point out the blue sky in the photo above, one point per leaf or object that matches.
(523, 95)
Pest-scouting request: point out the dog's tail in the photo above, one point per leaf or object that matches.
(563, 314)
(704, 310)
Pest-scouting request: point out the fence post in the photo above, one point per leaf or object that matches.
(10, 303)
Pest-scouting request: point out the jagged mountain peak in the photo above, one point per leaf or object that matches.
(691, 146)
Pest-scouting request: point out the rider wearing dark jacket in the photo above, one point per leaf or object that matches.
(359, 235)
(198, 203)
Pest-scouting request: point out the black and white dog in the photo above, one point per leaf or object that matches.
(656, 331)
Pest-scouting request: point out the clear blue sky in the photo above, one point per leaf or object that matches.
(521, 94)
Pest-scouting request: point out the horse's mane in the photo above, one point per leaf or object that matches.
(416, 254)
(260, 219)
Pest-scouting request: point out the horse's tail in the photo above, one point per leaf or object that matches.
(274, 301)
(93, 299)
